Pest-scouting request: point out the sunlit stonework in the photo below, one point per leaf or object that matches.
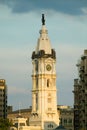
(44, 99)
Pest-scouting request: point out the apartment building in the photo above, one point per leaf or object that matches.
(3, 99)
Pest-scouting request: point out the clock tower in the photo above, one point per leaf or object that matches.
(44, 99)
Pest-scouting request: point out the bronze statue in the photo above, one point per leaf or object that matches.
(43, 20)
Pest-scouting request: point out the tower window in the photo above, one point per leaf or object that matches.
(49, 109)
(36, 82)
(36, 65)
(49, 100)
(36, 101)
(47, 82)
(49, 95)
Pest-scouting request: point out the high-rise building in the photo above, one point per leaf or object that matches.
(3, 99)
(80, 95)
(44, 99)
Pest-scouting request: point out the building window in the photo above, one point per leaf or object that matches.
(65, 121)
(50, 126)
(36, 66)
(47, 82)
(70, 121)
(49, 100)
(36, 82)
(49, 95)
(49, 109)
(36, 101)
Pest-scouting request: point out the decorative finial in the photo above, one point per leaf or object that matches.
(43, 20)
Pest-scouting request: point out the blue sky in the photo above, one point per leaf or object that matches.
(20, 22)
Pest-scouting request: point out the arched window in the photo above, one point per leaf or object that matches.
(36, 101)
(47, 82)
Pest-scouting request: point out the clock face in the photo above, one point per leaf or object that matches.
(48, 67)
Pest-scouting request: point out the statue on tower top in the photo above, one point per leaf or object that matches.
(43, 20)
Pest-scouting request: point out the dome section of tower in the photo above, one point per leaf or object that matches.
(43, 42)
(43, 48)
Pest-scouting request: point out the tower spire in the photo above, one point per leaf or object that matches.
(44, 102)
(43, 20)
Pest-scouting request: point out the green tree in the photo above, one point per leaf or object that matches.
(5, 124)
